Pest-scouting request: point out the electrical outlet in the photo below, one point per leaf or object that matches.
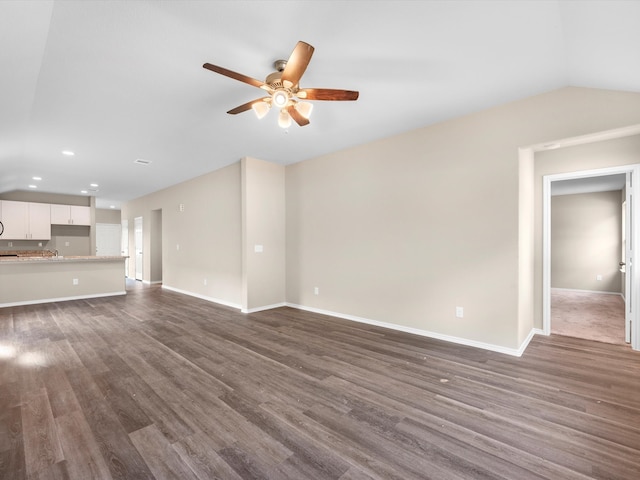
(599, 278)
(75, 281)
(177, 246)
(459, 312)
(205, 282)
(316, 291)
(66, 244)
(11, 244)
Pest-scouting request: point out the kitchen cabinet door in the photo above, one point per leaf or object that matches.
(26, 221)
(39, 226)
(80, 215)
(70, 215)
(15, 216)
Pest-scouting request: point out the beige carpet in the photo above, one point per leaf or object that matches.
(593, 316)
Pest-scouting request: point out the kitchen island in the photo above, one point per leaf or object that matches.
(26, 280)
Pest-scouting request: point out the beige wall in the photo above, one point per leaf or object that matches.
(263, 220)
(208, 233)
(602, 154)
(405, 229)
(586, 241)
(106, 215)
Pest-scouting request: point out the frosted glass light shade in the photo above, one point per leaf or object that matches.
(304, 108)
(284, 119)
(261, 108)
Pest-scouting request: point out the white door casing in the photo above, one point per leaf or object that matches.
(629, 254)
(632, 274)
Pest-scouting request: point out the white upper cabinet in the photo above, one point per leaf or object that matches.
(70, 215)
(39, 221)
(14, 219)
(26, 221)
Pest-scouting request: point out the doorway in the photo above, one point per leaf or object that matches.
(155, 246)
(124, 242)
(138, 242)
(630, 277)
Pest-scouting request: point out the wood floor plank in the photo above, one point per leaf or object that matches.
(41, 443)
(61, 396)
(310, 459)
(199, 453)
(81, 452)
(159, 385)
(162, 460)
(157, 408)
(120, 455)
(12, 457)
(131, 416)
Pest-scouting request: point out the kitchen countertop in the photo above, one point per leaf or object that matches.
(60, 258)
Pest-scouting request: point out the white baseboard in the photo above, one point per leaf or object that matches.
(392, 326)
(586, 291)
(203, 297)
(525, 343)
(424, 333)
(60, 299)
(266, 307)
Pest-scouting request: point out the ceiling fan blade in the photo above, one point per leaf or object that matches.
(231, 74)
(246, 106)
(297, 117)
(297, 63)
(327, 94)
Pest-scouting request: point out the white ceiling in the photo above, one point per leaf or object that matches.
(117, 81)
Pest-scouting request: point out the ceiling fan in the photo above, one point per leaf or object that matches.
(283, 89)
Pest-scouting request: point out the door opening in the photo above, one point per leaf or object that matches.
(629, 277)
(138, 240)
(125, 246)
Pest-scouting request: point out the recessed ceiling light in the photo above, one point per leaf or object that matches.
(112, 206)
(83, 191)
(33, 186)
(68, 153)
(93, 184)
(36, 178)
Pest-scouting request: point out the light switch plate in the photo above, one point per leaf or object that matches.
(258, 248)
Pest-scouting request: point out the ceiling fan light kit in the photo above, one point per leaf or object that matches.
(284, 90)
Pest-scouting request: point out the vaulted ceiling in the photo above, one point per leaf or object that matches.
(119, 81)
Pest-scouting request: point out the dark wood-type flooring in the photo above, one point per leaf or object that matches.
(160, 385)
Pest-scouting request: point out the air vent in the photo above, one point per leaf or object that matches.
(141, 161)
